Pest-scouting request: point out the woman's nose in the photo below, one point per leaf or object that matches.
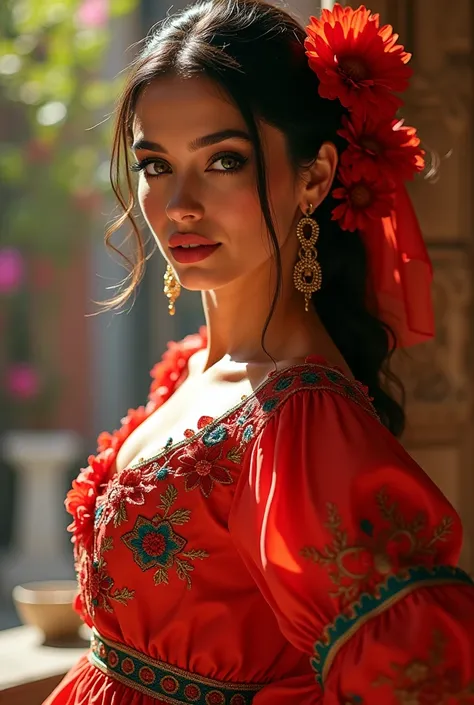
(183, 206)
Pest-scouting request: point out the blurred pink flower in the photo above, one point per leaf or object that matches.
(93, 13)
(11, 270)
(22, 381)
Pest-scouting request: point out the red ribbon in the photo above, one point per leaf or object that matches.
(401, 272)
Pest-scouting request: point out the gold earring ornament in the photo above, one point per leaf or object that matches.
(172, 289)
(307, 274)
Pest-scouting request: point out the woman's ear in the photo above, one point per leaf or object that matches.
(317, 179)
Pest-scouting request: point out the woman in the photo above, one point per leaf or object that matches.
(256, 534)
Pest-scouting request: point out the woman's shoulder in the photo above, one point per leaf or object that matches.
(304, 391)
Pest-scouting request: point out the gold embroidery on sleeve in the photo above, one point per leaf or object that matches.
(419, 681)
(379, 550)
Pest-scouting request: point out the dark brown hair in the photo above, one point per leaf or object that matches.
(255, 52)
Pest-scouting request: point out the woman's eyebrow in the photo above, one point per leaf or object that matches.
(198, 143)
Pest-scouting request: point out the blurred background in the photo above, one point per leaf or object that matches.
(66, 375)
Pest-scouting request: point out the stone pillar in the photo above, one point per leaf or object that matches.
(41, 461)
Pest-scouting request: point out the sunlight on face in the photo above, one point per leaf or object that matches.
(208, 188)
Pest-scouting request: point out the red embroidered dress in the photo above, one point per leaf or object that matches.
(289, 552)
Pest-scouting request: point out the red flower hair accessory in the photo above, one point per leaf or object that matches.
(360, 64)
(380, 148)
(356, 62)
(363, 199)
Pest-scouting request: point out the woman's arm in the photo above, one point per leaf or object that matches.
(355, 549)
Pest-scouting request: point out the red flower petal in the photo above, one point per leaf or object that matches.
(357, 62)
(206, 483)
(80, 502)
(192, 480)
(221, 475)
(362, 201)
(380, 148)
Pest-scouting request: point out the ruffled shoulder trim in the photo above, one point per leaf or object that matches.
(167, 372)
(81, 498)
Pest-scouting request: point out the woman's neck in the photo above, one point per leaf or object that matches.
(236, 316)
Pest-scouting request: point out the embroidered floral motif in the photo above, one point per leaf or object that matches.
(97, 586)
(215, 435)
(397, 544)
(333, 377)
(269, 404)
(99, 512)
(428, 681)
(310, 377)
(155, 544)
(248, 433)
(235, 454)
(284, 383)
(129, 488)
(162, 472)
(201, 467)
(245, 414)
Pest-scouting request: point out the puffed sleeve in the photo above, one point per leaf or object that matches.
(355, 550)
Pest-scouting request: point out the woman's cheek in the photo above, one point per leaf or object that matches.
(143, 192)
(150, 204)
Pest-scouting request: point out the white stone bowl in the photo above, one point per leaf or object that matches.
(48, 606)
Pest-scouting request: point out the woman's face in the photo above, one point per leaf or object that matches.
(198, 177)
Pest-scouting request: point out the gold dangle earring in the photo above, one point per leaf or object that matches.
(172, 289)
(307, 272)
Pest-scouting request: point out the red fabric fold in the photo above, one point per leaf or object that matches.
(401, 273)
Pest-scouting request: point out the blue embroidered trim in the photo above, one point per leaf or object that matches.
(368, 603)
(161, 680)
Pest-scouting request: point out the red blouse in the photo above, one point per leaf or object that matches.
(289, 552)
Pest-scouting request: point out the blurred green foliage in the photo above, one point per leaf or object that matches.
(55, 101)
(53, 165)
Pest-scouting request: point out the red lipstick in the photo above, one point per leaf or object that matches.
(188, 248)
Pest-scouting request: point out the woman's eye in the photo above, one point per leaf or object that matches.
(151, 167)
(224, 164)
(229, 163)
(156, 168)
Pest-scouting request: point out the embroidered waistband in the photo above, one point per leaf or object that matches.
(162, 681)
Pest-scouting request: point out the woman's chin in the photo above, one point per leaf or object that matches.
(200, 281)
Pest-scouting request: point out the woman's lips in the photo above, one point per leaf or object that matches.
(189, 255)
(198, 247)
(179, 239)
